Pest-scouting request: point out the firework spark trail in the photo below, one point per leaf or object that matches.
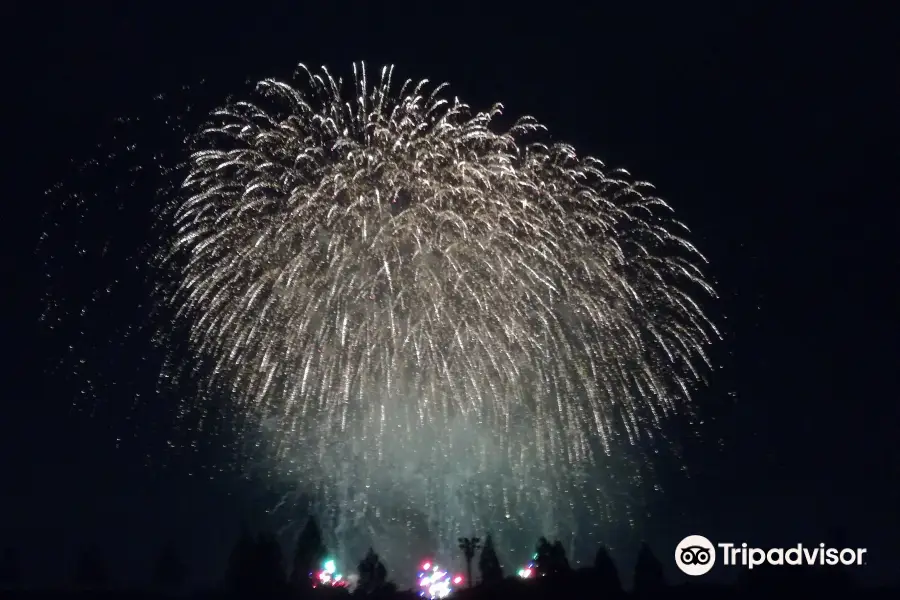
(424, 313)
(387, 274)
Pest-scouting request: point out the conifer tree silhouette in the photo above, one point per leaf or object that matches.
(239, 575)
(607, 574)
(268, 562)
(488, 563)
(649, 579)
(543, 562)
(372, 574)
(551, 558)
(309, 552)
(169, 572)
(559, 560)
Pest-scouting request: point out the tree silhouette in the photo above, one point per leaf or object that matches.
(169, 572)
(239, 575)
(648, 573)
(256, 566)
(608, 580)
(268, 565)
(543, 561)
(489, 564)
(551, 558)
(372, 574)
(10, 570)
(560, 562)
(469, 547)
(90, 570)
(309, 552)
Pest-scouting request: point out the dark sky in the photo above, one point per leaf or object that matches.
(772, 130)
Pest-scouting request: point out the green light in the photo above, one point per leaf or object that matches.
(330, 567)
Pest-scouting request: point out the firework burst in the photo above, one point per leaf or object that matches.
(432, 321)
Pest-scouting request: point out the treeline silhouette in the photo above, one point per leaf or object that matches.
(257, 568)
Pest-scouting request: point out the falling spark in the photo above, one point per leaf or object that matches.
(428, 316)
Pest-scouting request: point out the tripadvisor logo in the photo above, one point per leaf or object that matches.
(696, 555)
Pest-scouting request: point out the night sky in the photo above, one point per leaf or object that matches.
(772, 131)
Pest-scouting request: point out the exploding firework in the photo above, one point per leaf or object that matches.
(440, 326)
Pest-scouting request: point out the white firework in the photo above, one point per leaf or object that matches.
(439, 325)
